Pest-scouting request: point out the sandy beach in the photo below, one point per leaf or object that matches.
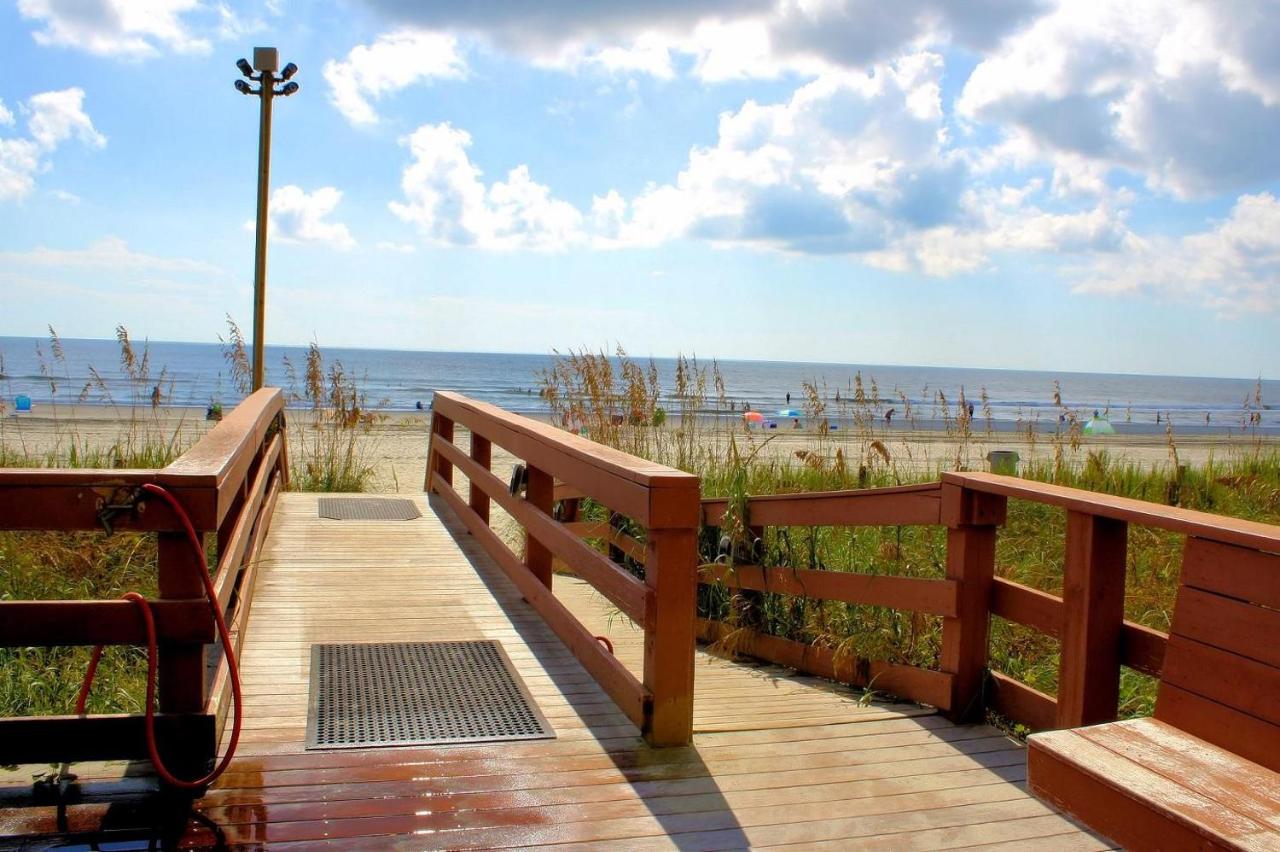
(396, 446)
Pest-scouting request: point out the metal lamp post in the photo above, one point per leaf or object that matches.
(266, 62)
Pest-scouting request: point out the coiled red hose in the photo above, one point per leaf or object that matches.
(149, 623)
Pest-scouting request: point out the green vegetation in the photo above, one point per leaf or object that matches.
(614, 406)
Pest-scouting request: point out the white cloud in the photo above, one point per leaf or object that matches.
(6, 117)
(1184, 93)
(295, 216)
(57, 116)
(66, 197)
(109, 253)
(725, 38)
(847, 161)
(393, 62)
(1233, 267)
(398, 248)
(52, 118)
(450, 204)
(128, 29)
(19, 164)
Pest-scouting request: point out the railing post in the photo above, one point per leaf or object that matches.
(442, 428)
(1093, 610)
(540, 490)
(671, 571)
(180, 676)
(971, 519)
(481, 454)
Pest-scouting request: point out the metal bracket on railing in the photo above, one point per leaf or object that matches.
(519, 479)
(121, 500)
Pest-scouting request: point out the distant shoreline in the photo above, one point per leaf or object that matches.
(396, 446)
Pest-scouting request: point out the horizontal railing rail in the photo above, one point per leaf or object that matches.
(227, 483)
(563, 466)
(914, 505)
(1087, 618)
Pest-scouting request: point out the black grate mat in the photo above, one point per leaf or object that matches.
(418, 693)
(368, 509)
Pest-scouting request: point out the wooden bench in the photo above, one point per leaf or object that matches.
(1205, 771)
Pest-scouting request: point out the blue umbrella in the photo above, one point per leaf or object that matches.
(790, 412)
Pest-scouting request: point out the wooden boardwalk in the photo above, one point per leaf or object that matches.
(777, 759)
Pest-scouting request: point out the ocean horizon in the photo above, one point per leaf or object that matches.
(194, 375)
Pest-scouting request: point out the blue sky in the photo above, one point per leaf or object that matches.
(1002, 183)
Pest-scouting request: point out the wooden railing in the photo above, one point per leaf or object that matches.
(1088, 618)
(227, 483)
(661, 500)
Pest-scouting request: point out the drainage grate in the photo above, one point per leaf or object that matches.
(418, 693)
(368, 509)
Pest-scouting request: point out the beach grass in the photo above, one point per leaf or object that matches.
(614, 401)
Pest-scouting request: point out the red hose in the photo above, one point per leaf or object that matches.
(149, 623)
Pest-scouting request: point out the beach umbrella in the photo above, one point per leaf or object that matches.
(790, 412)
(753, 417)
(1099, 426)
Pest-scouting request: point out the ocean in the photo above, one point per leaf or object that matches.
(196, 374)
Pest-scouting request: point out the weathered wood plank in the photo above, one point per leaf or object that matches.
(933, 597)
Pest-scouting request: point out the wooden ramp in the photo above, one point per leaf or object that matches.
(776, 760)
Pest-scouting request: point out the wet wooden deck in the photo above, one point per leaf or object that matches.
(776, 760)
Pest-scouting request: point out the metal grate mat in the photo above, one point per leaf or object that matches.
(418, 693)
(368, 509)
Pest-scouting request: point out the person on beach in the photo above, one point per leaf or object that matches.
(888, 416)
(795, 424)
(418, 405)
(788, 399)
(155, 397)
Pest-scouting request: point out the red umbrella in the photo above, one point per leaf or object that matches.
(753, 417)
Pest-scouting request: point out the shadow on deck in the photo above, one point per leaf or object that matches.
(776, 758)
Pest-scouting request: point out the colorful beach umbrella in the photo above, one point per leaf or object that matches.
(753, 417)
(1099, 426)
(790, 412)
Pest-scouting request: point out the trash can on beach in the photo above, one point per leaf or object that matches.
(1003, 461)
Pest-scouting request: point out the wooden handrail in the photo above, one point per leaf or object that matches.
(227, 482)
(894, 506)
(1250, 534)
(662, 499)
(205, 479)
(1087, 617)
(653, 494)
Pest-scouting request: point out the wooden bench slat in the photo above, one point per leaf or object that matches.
(1238, 572)
(1247, 736)
(1127, 801)
(1223, 677)
(1228, 624)
(1235, 783)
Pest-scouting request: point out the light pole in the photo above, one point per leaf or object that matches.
(266, 61)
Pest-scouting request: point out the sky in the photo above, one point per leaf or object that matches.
(1089, 186)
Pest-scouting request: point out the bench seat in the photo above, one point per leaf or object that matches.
(1148, 785)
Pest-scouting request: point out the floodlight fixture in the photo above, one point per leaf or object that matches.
(289, 71)
(266, 59)
(287, 89)
(243, 88)
(245, 68)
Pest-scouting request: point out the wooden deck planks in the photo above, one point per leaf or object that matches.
(777, 759)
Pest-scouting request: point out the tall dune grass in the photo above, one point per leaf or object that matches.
(618, 402)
